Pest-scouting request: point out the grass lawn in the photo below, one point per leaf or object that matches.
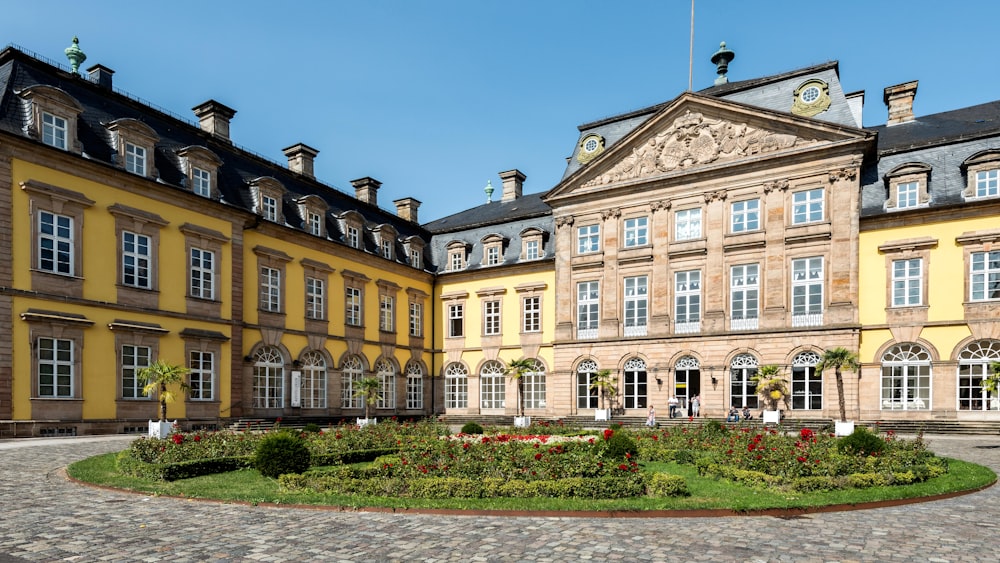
(706, 493)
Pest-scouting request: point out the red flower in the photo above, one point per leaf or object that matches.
(607, 433)
(538, 455)
(177, 438)
(801, 459)
(197, 438)
(750, 447)
(806, 434)
(623, 467)
(465, 446)
(690, 419)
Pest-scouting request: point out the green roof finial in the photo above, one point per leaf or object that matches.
(75, 55)
(489, 191)
(721, 60)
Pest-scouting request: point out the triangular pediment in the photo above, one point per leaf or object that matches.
(696, 132)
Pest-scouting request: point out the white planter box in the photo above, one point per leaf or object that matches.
(772, 417)
(362, 422)
(159, 429)
(522, 421)
(602, 414)
(843, 427)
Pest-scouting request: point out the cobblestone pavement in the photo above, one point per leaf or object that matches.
(44, 517)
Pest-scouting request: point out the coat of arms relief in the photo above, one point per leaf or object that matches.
(694, 140)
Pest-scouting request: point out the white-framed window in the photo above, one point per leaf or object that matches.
(352, 306)
(587, 309)
(55, 243)
(386, 249)
(687, 301)
(315, 223)
(353, 237)
(493, 255)
(636, 305)
(984, 278)
(742, 389)
(136, 260)
(386, 385)
(202, 182)
(587, 396)
(906, 378)
(269, 207)
(315, 298)
(687, 224)
(414, 386)
(202, 274)
(456, 386)
(807, 206)
(907, 195)
(492, 385)
(531, 314)
(532, 250)
(313, 382)
(907, 282)
(636, 231)
(416, 319)
(533, 387)
(352, 372)
(634, 392)
(54, 131)
(491, 317)
(588, 239)
(135, 159)
(415, 260)
(807, 291)
(456, 260)
(201, 375)
(988, 183)
(55, 368)
(744, 296)
(456, 320)
(387, 316)
(134, 358)
(270, 289)
(268, 379)
(974, 363)
(807, 385)
(745, 216)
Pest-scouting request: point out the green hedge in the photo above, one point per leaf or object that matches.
(129, 465)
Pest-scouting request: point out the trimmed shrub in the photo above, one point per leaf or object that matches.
(814, 483)
(281, 453)
(620, 446)
(472, 428)
(663, 485)
(311, 427)
(861, 441)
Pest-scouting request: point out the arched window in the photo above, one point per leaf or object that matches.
(352, 370)
(687, 375)
(313, 380)
(456, 386)
(587, 397)
(268, 379)
(635, 384)
(534, 387)
(906, 378)
(414, 386)
(386, 385)
(492, 385)
(807, 387)
(743, 391)
(973, 366)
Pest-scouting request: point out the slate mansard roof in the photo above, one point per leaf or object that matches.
(101, 106)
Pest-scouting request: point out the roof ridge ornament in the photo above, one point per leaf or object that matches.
(75, 55)
(489, 191)
(721, 60)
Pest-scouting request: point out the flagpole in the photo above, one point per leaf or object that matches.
(691, 52)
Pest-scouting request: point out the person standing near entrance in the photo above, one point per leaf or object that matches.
(651, 417)
(695, 405)
(673, 402)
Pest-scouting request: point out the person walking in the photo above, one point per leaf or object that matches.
(673, 402)
(651, 417)
(696, 405)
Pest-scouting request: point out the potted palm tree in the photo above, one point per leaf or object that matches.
(840, 358)
(516, 370)
(607, 386)
(158, 377)
(990, 384)
(368, 390)
(771, 389)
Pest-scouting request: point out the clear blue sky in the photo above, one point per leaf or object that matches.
(435, 97)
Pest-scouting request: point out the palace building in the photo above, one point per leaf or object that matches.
(688, 244)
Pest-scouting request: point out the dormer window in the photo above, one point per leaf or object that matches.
(386, 237)
(493, 250)
(314, 223)
(134, 141)
(983, 172)
(200, 165)
(269, 207)
(351, 223)
(267, 196)
(414, 246)
(531, 244)
(386, 249)
(313, 209)
(54, 115)
(908, 186)
(201, 182)
(353, 237)
(457, 253)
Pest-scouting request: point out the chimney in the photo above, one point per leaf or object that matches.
(366, 189)
(214, 118)
(406, 208)
(899, 100)
(300, 158)
(512, 183)
(100, 75)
